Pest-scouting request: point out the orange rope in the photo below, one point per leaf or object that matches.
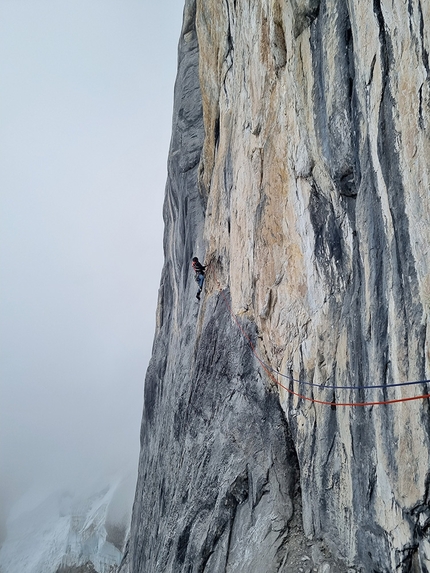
(314, 400)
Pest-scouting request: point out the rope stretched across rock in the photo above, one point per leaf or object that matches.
(270, 371)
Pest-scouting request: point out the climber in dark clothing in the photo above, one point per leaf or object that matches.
(199, 269)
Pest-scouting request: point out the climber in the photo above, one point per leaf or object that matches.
(199, 269)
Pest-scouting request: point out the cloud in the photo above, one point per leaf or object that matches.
(86, 118)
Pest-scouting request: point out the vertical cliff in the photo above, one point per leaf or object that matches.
(299, 167)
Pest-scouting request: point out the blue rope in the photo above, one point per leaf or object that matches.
(323, 386)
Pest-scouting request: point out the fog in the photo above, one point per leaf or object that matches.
(86, 90)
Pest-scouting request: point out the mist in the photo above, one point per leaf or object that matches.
(85, 109)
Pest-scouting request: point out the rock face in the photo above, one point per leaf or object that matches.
(299, 167)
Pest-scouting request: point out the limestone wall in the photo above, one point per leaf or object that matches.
(299, 167)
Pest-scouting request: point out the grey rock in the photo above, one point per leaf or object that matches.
(299, 167)
(317, 555)
(218, 471)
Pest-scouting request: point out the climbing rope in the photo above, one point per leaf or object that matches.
(270, 371)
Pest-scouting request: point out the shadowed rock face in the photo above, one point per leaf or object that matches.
(298, 167)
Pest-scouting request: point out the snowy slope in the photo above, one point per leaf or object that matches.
(60, 530)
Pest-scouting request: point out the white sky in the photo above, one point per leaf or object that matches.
(86, 89)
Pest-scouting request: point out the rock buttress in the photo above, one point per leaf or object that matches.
(299, 168)
(318, 210)
(218, 473)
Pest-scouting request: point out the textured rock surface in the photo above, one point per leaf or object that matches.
(299, 166)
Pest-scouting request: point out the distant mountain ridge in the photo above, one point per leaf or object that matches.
(65, 533)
